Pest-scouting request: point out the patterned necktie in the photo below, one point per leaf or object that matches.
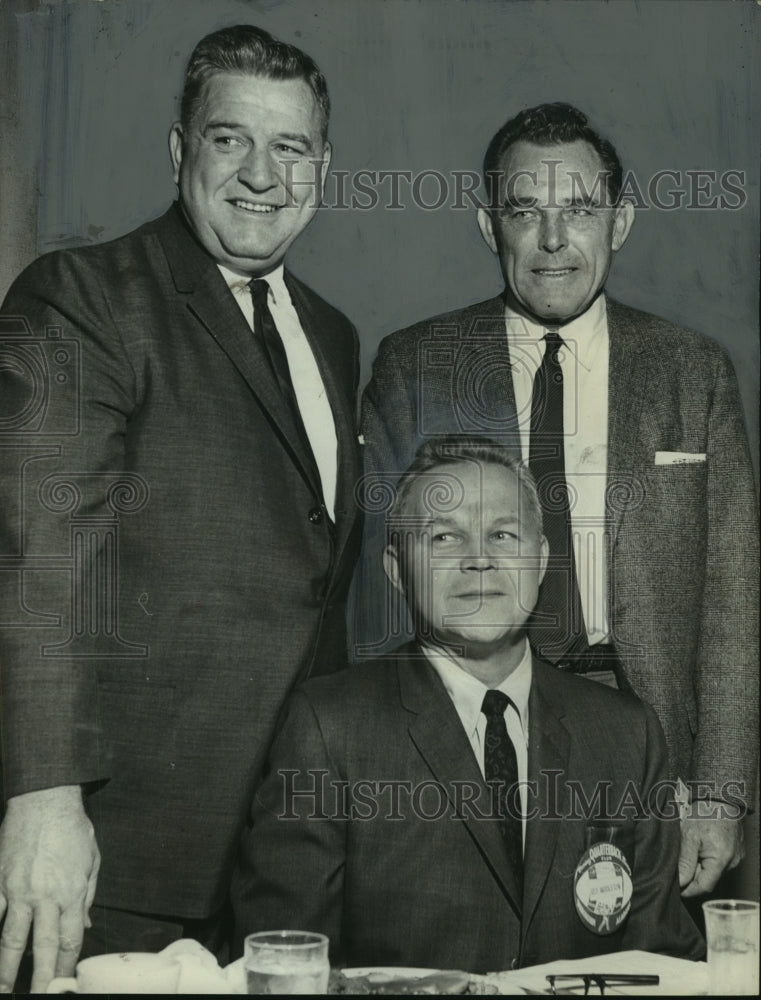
(559, 597)
(501, 767)
(267, 334)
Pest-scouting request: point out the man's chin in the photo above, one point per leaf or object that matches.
(554, 311)
(480, 642)
(250, 258)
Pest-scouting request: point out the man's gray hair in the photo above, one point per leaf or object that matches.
(246, 49)
(454, 449)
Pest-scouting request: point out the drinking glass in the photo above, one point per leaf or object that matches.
(286, 962)
(732, 938)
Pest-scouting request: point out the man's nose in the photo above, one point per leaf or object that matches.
(552, 235)
(257, 170)
(479, 561)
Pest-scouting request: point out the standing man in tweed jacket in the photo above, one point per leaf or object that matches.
(659, 589)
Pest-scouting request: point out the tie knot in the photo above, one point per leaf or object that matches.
(259, 289)
(553, 342)
(495, 704)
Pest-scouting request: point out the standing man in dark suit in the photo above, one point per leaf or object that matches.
(659, 589)
(375, 825)
(178, 522)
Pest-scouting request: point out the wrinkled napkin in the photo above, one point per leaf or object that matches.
(200, 972)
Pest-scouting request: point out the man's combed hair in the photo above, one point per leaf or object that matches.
(244, 48)
(551, 125)
(454, 449)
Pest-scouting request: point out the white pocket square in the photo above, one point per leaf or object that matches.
(360, 438)
(678, 457)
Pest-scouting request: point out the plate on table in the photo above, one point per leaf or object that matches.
(378, 980)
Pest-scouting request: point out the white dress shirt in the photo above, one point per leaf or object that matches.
(467, 694)
(584, 362)
(308, 387)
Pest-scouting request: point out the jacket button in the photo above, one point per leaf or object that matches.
(315, 515)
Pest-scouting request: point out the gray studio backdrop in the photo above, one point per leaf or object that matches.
(90, 88)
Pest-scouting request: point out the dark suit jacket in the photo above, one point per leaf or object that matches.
(683, 555)
(154, 628)
(392, 887)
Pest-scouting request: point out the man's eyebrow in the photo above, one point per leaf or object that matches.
(513, 201)
(583, 201)
(440, 521)
(296, 137)
(578, 201)
(299, 137)
(507, 519)
(212, 125)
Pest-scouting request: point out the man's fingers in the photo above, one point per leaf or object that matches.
(92, 884)
(45, 944)
(693, 889)
(688, 860)
(13, 940)
(739, 847)
(72, 926)
(706, 877)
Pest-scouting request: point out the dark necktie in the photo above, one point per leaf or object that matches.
(268, 336)
(501, 767)
(559, 598)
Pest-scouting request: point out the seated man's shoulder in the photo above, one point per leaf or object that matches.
(375, 682)
(581, 697)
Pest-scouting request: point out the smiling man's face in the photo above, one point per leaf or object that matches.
(250, 168)
(554, 230)
(471, 566)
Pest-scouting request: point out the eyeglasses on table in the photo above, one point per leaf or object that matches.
(573, 982)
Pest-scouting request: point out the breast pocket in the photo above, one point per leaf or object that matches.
(678, 487)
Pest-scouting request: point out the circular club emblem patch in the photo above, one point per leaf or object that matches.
(602, 888)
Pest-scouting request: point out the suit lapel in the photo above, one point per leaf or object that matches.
(485, 394)
(627, 383)
(328, 352)
(209, 300)
(549, 746)
(438, 735)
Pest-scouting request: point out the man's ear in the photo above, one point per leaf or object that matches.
(622, 224)
(176, 139)
(393, 569)
(487, 229)
(326, 156)
(544, 555)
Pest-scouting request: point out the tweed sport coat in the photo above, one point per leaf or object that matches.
(167, 571)
(414, 877)
(682, 554)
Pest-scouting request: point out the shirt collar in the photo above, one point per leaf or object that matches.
(275, 279)
(467, 692)
(583, 335)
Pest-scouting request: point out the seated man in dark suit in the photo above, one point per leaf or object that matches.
(461, 804)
